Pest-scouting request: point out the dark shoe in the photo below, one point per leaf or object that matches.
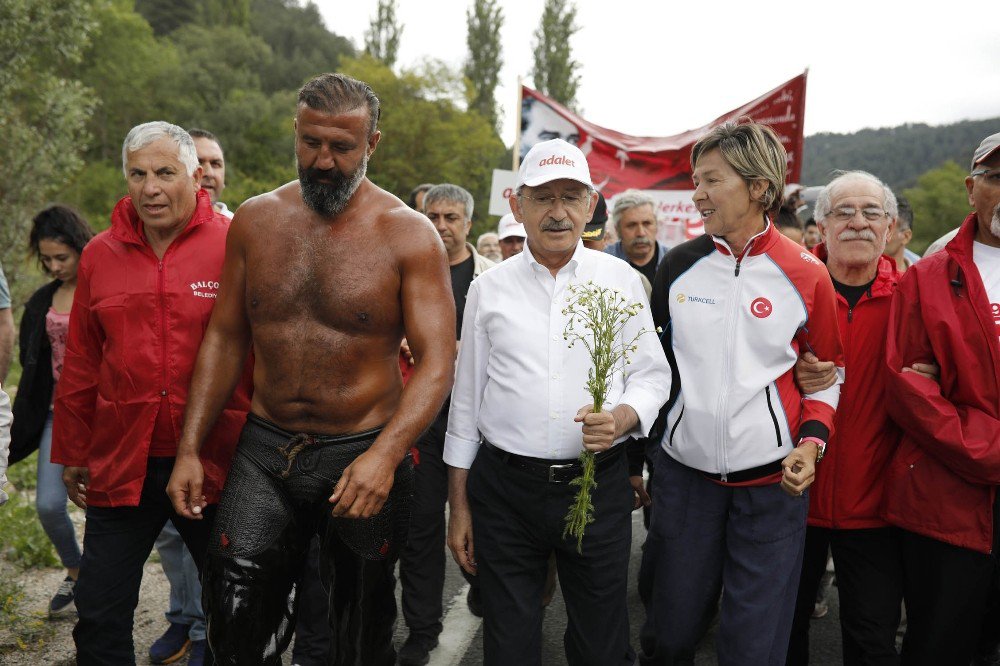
(198, 650)
(416, 651)
(64, 601)
(172, 645)
(474, 601)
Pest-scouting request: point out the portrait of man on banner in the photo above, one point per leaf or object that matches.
(540, 122)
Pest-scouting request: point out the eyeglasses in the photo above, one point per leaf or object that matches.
(577, 201)
(992, 175)
(847, 213)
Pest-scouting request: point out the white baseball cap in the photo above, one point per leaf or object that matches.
(510, 227)
(552, 160)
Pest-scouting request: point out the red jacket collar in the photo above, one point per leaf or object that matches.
(886, 275)
(758, 244)
(960, 247)
(126, 225)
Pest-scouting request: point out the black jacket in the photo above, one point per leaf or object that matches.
(34, 391)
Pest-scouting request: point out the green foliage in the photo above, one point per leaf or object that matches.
(165, 16)
(482, 67)
(940, 203)
(43, 113)
(897, 155)
(24, 475)
(228, 59)
(555, 70)
(426, 134)
(382, 36)
(25, 542)
(301, 45)
(126, 67)
(95, 190)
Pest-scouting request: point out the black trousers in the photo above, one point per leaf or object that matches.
(312, 630)
(274, 501)
(869, 568)
(116, 543)
(946, 590)
(422, 560)
(518, 521)
(870, 587)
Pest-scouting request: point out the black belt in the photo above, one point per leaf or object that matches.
(751, 474)
(553, 471)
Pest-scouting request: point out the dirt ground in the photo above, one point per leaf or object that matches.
(40, 584)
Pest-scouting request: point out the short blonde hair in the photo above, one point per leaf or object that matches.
(754, 151)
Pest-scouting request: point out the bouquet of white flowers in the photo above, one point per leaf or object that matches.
(597, 316)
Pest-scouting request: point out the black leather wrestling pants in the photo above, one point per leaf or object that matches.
(274, 500)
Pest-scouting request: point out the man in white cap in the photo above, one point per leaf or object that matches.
(511, 233)
(520, 417)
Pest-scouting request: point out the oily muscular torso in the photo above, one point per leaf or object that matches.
(322, 299)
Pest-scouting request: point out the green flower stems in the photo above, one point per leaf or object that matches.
(597, 316)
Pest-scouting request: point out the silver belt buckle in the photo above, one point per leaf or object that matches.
(552, 469)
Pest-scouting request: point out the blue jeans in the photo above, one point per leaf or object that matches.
(185, 588)
(50, 501)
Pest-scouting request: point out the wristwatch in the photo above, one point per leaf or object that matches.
(820, 446)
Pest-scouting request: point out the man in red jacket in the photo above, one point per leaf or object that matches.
(145, 291)
(940, 486)
(856, 214)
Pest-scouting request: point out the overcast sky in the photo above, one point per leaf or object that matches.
(653, 68)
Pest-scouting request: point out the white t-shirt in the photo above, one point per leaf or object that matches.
(987, 259)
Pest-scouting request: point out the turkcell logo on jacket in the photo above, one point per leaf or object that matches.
(733, 327)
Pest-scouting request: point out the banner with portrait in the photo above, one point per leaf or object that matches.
(659, 165)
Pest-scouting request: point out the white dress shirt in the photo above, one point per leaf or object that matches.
(519, 385)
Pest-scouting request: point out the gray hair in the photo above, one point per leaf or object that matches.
(823, 204)
(626, 201)
(488, 235)
(451, 193)
(142, 135)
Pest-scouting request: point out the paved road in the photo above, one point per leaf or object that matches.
(461, 642)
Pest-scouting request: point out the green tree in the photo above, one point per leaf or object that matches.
(382, 36)
(427, 135)
(301, 44)
(940, 203)
(43, 115)
(482, 67)
(130, 72)
(234, 13)
(165, 16)
(554, 72)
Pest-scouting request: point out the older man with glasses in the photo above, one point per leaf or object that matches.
(857, 214)
(520, 417)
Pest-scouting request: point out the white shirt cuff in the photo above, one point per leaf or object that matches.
(459, 452)
(647, 408)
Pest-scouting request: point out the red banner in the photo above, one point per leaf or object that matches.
(619, 161)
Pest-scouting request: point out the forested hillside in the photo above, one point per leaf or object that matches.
(897, 155)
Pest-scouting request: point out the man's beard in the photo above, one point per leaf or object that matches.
(995, 222)
(329, 199)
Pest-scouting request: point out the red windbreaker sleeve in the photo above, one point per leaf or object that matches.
(960, 436)
(822, 337)
(76, 392)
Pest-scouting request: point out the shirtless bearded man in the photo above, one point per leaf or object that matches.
(322, 276)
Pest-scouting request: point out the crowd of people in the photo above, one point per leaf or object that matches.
(284, 402)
